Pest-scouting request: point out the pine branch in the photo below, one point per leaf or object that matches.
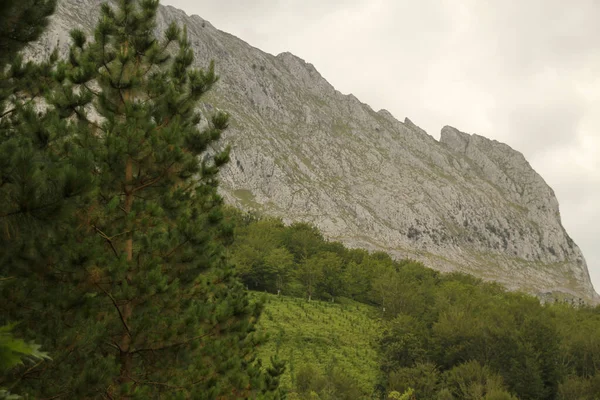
(83, 117)
(106, 394)
(91, 90)
(118, 309)
(151, 383)
(11, 213)
(61, 394)
(104, 58)
(113, 345)
(171, 345)
(27, 372)
(153, 180)
(8, 112)
(175, 249)
(108, 240)
(150, 183)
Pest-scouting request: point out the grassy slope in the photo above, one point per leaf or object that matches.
(323, 335)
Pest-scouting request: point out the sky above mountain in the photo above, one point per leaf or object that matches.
(521, 72)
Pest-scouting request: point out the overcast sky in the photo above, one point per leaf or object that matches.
(523, 72)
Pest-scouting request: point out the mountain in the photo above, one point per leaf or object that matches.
(304, 151)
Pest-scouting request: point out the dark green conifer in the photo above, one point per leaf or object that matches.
(21, 22)
(134, 297)
(35, 182)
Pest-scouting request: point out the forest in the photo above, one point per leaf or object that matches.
(124, 276)
(438, 336)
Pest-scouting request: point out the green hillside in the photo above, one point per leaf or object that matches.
(426, 335)
(322, 339)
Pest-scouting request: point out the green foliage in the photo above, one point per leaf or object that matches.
(31, 180)
(409, 394)
(272, 377)
(433, 323)
(130, 290)
(15, 351)
(472, 381)
(578, 388)
(333, 385)
(328, 347)
(422, 379)
(36, 182)
(21, 22)
(297, 260)
(310, 273)
(444, 394)
(452, 320)
(261, 260)
(279, 263)
(303, 240)
(329, 267)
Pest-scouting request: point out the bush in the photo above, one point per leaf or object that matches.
(445, 394)
(577, 388)
(472, 381)
(423, 378)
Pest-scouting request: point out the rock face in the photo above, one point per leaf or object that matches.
(303, 151)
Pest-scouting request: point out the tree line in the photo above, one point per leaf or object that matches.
(445, 336)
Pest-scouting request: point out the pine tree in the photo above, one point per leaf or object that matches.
(21, 22)
(37, 182)
(137, 297)
(22, 138)
(33, 183)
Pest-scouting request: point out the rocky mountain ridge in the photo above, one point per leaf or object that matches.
(303, 151)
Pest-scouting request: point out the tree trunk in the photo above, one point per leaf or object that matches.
(125, 356)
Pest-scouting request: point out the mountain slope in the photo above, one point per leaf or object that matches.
(327, 337)
(304, 151)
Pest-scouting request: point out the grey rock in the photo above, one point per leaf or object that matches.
(303, 151)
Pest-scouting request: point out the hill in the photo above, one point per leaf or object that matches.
(320, 339)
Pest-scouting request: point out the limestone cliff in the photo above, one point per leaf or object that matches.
(306, 152)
